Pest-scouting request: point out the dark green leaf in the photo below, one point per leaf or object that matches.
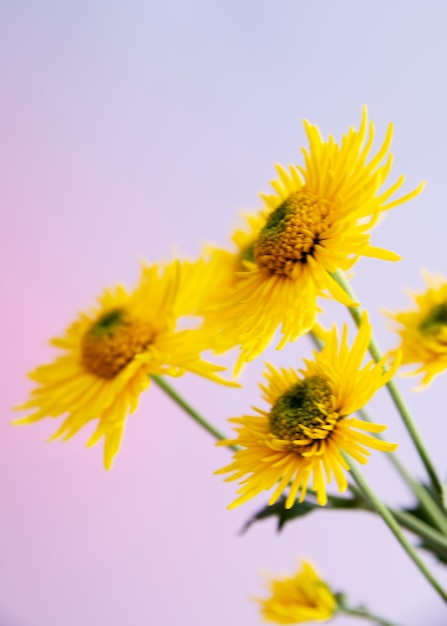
(284, 515)
(299, 509)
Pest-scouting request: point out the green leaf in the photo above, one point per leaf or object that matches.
(418, 510)
(432, 549)
(299, 509)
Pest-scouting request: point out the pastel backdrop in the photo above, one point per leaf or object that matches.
(141, 129)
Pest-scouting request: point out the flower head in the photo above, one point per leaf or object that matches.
(304, 597)
(308, 425)
(221, 273)
(423, 330)
(318, 221)
(110, 351)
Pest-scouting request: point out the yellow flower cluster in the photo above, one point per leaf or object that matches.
(316, 222)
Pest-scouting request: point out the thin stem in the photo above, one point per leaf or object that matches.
(433, 538)
(426, 501)
(170, 391)
(316, 340)
(356, 314)
(394, 527)
(369, 616)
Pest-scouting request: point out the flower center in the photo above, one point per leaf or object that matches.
(435, 320)
(305, 411)
(291, 233)
(246, 254)
(112, 342)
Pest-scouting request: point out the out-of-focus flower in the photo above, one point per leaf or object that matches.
(221, 272)
(304, 597)
(423, 330)
(319, 220)
(308, 426)
(110, 351)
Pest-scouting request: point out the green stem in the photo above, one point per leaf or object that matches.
(356, 314)
(389, 520)
(433, 538)
(426, 501)
(369, 616)
(170, 391)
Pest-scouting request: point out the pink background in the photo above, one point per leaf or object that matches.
(134, 129)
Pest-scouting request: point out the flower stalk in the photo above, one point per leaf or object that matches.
(363, 613)
(389, 520)
(178, 399)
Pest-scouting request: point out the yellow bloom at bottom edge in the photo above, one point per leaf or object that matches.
(304, 597)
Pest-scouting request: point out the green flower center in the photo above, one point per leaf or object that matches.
(292, 232)
(112, 342)
(107, 323)
(435, 320)
(246, 254)
(305, 411)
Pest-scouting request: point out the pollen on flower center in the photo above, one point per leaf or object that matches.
(435, 320)
(305, 411)
(291, 233)
(112, 342)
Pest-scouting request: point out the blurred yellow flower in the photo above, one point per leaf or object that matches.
(297, 599)
(423, 330)
(221, 273)
(319, 218)
(308, 424)
(110, 351)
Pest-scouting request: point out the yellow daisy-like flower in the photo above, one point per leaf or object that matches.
(297, 599)
(423, 330)
(221, 273)
(319, 221)
(308, 425)
(110, 351)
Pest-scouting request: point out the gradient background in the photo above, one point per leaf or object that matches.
(134, 129)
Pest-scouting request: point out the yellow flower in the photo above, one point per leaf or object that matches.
(319, 218)
(221, 274)
(110, 351)
(304, 597)
(308, 425)
(423, 330)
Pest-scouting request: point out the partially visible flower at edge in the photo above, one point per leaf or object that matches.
(308, 425)
(297, 599)
(423, 330)
(318, 221)
(110, 351)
